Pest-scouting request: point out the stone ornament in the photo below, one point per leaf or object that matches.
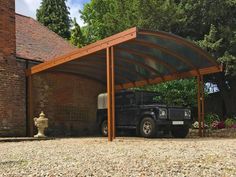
(41, 123)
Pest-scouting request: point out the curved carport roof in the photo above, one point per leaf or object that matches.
(141, 57)
(134, 58)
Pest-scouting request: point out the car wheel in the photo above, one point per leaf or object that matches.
(180, 132)
(104, 128)
(147, 127)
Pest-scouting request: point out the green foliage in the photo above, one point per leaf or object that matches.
(54, 14)
(76, 37)
(230, 122)
(107, 17)
(178, 93)
(210, 118)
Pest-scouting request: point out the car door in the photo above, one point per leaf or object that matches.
(118, 110)
(128, 111)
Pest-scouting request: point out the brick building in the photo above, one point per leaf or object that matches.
(62, 96)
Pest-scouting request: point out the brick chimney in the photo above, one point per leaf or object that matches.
(12, 76)
(7, 30)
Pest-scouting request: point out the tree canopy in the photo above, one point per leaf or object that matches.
(54, 14)
(77, 37)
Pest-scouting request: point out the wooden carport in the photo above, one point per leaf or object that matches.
(133, 58)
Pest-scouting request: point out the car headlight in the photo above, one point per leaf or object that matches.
(162, 113)
(187, 114)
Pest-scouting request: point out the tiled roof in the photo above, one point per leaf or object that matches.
(36, 42)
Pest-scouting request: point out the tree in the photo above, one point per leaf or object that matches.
(54, 14)
(216, 33)
(178, 93)
(77, 37)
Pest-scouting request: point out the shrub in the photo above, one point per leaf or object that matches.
(234, 126)
(230, 122)
(214, 124)
(221, 125)
(210, 118)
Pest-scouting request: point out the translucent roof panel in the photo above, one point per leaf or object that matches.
(141, 57)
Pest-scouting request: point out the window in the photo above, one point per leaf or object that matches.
(129, 99)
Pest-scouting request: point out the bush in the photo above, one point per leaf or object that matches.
(214, 124)
(230, 122)
(210, 118)
(221, 125)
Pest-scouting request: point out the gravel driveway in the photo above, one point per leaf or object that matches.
(123, 157)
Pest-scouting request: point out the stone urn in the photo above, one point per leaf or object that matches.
(41, 123)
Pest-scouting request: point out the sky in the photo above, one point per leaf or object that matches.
(28, 8)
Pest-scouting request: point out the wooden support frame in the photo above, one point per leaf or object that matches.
(110, 93)
(200, 98)
(113, 92)
(30, 130)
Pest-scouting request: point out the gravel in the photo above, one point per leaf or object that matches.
(122, 157)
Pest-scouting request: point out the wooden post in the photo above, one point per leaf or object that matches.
(30, 131)
(200, 105)
(109, 96)
(202, 108)
(113, 91)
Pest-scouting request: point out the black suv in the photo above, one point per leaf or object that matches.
(139, 110)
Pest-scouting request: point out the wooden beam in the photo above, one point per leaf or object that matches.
(109, 96)
(174, 76)
(30, 125)
(87, 50)
(199, 106)
(113, 92)
(203, 105)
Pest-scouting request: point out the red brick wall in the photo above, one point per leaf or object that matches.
(12, 77)
(12, 100)
(7, 30)
(69, 102)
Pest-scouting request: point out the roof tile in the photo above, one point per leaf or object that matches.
(36, 42)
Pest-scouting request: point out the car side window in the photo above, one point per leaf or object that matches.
(129, 99)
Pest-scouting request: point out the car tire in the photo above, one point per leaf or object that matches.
(147, 127)
(104, 128)
(180, 132)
